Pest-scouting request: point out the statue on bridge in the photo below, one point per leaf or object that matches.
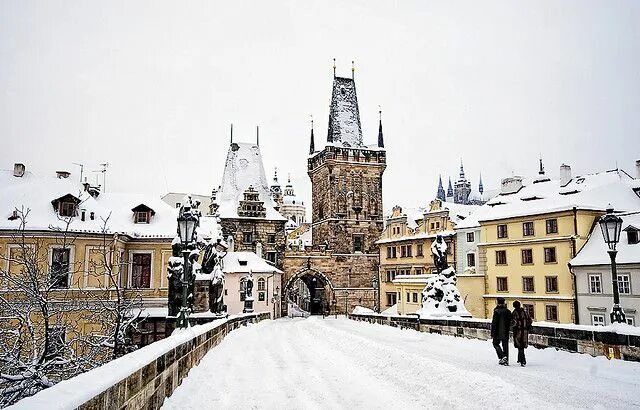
(439, 252)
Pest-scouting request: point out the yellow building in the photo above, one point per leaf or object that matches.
(405, 250)
(534, 227)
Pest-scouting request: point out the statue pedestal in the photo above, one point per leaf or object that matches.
(248, 305)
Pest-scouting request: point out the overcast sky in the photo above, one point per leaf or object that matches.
(151, 87)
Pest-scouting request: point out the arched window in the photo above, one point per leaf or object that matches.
(261, 285)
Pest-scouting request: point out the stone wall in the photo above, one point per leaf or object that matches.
(595, 343)
(260, 229)
(142, 379)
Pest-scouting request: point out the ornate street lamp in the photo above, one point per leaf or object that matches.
(374, 284)
(187, 223)
(611, 226)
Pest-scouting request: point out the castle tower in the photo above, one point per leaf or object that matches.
(346, 179)
(462, 188)
(275, 189)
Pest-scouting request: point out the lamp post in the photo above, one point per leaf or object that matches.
(611, 226)
(186, 229)
(274, 300)
(374, 284)
(346, 298)
(334, 302)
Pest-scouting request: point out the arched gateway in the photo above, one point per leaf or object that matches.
(310, 289)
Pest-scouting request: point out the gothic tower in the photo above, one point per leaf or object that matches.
(346, 179)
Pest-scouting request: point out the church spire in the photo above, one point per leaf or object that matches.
(312, 144)
(232, 133)
(441, 195)
(380, 136)
(449, 189)
(480, 186)
(461, 169)
(257, 135)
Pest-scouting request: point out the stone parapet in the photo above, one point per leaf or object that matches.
(592, 342)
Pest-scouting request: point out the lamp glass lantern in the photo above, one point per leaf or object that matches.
(611, 226)
(187, 227)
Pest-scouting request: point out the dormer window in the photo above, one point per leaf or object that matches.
(632, 236)
(66, 206)
(142, 214)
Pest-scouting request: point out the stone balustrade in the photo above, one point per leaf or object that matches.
(572, 338)
(141, 379)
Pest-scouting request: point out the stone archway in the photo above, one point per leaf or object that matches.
(310, 289)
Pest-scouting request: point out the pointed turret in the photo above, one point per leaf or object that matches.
(450, 189)
(344, 116)
(380, 136)
(441, 195)
(312, 144)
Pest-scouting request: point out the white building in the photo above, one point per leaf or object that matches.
(266, 283)
(592, 270)
(292, 206)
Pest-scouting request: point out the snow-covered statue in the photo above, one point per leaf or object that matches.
(440, 296)
(212, 265)
(439, 252)
(248, 293)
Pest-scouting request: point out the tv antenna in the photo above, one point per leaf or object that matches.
(103, 171)
(81, 169)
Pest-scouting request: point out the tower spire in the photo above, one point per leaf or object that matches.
(441, 195)
(232, 133)
(257, 135)
(312, 145)
(380, 136)
(334, 68)
(449, 189)
(480, 186)
(353, 69)
(461, 169)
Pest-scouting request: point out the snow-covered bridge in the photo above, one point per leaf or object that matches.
(338, 363)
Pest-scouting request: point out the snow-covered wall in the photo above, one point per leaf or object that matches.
(620, 341)
(141, 379)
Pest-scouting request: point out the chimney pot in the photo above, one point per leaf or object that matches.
(565, 174)
(511, 185)
(18, 170)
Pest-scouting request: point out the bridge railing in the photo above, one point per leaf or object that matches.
(623, 343)
(143, 378)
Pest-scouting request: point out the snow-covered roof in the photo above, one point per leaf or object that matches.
(594, 252)
(457, 212)
(243, 262)
(344, 116)
(35, 193)
(416, 236)
(590, 191)
(244, 168)
(421, 279)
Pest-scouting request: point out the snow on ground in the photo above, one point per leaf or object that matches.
(317, 363)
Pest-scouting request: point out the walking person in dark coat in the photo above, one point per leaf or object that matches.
(521, 323)
(500, 331)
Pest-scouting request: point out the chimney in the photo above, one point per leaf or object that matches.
(638, 169)
(511, 185)
(259, 249)
(565, 174)
(18, 170)
(62, 174)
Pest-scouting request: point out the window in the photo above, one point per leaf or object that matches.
(551, 313)
(67, 209)
(272, 257)
(527, 256)
(471, 260)
(530, 309)
(408, 297)
(552, 226)
(261, 296)
(261, 284)
(403, 251)
(141, 217)
(631, 321)
(419, 250)
(178, 204)
(632, 237)
(595, 283)
(141, 271)
(437, 225)
(597, 319)
(527, 229)
(271, 238)
(391, 275)
(502, 231)
(501, 257)
(550, 255)
(551, 284)
(415, 297)
(56, 336)
(418, 271)
(358, 245)
(247, 237)
(527, 284)
(501, 285)
(624, 285)
(432, 226)
(388, 252)
(60, 267)
(409, 251)
(391, 298)
(243, 289)
(394, 252)
(470, 237)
